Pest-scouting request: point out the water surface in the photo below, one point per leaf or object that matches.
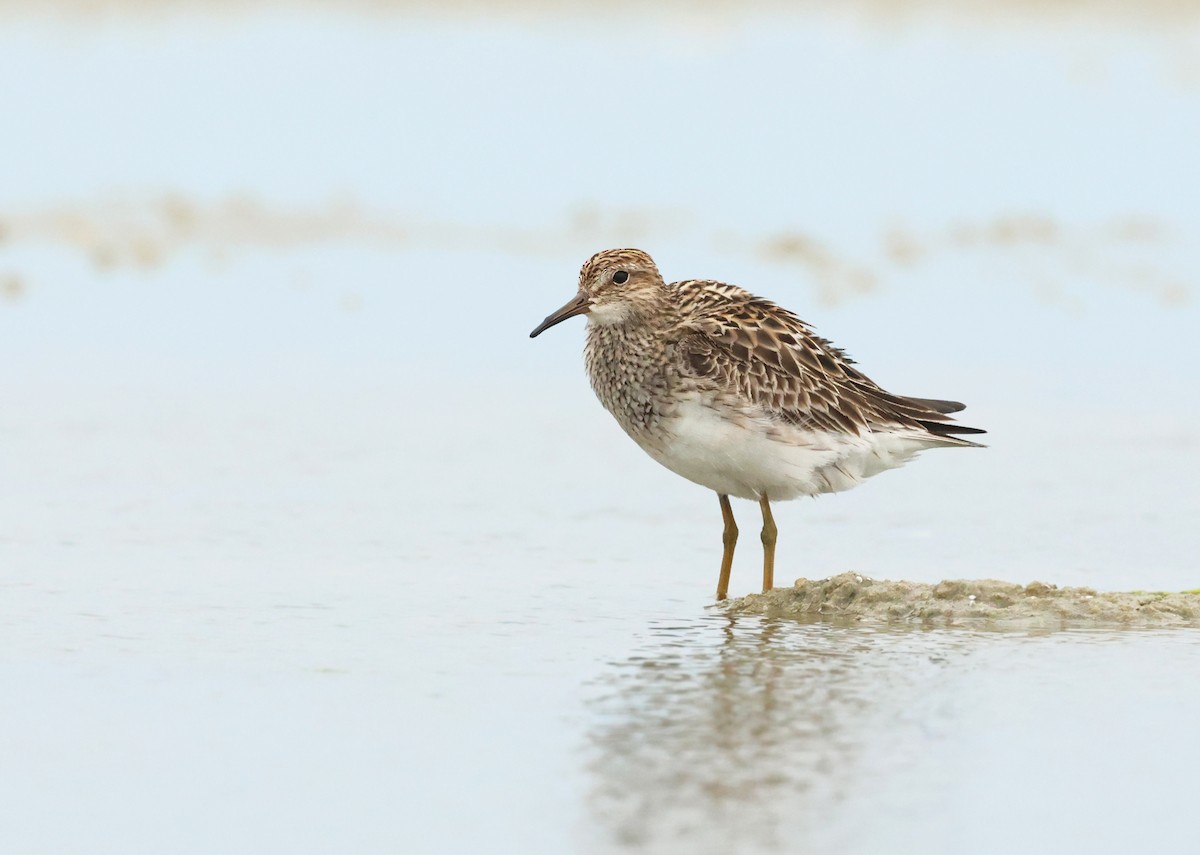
(305, 547)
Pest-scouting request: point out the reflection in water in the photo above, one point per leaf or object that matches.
(728, 733)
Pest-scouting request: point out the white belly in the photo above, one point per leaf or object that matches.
(750, 457)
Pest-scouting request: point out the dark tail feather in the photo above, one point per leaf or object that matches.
(938, 406)
(930, 413)
(943, 429)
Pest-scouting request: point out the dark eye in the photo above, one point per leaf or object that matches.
(621, 277)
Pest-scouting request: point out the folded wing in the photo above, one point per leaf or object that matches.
(773, 360)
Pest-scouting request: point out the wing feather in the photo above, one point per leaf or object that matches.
(774, 360)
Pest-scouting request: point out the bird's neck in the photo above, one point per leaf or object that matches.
(638, 326)
(630, 370)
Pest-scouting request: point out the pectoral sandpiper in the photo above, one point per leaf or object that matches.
(737, 394)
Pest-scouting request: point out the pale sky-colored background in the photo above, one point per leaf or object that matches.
(306, 546)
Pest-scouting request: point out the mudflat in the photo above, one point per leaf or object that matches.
(971, 602)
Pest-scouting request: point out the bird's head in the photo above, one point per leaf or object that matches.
(613, 285)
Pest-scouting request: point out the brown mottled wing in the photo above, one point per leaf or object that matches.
(773, 359)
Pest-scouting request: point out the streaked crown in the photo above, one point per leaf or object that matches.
(614, 272)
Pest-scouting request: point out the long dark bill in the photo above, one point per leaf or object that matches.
(578, 305)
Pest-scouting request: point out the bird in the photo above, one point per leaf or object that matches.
(738, 394)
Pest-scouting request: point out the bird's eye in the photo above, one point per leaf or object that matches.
(621, 277)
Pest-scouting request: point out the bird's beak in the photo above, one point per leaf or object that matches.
(578, 305)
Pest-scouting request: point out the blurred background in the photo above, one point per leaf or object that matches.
(304, 545)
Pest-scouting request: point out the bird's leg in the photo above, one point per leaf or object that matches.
(768, 539)
(729, 538)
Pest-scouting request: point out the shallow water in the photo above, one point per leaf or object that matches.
(305, 547)
(734, 735)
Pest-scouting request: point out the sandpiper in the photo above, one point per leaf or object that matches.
(737, 394)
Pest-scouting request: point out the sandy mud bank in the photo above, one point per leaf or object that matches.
(966, 602)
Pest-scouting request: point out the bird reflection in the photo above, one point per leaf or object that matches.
(735, 733)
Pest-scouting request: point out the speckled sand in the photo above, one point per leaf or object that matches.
(959, 601)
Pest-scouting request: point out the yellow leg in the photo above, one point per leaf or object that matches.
(729, 538)
(769, 533)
